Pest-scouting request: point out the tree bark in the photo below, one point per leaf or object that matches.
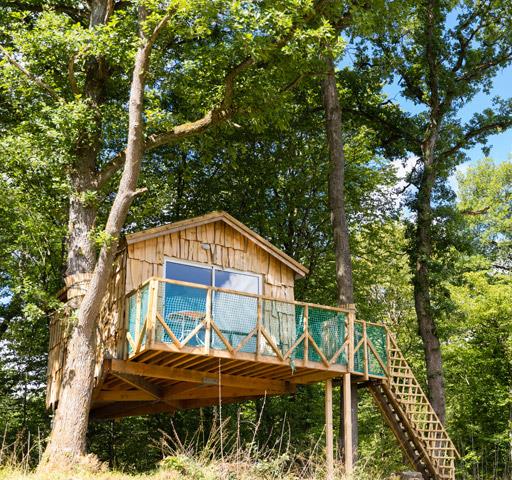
(345, 288)
(421, 279)
(423, 236)
(66, 445)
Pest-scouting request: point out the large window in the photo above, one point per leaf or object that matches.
(213, 276)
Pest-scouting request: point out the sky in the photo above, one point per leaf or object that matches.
(501, 143)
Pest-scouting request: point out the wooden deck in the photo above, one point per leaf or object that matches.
(189, 346)
(182, 351)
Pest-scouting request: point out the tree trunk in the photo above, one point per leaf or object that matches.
(66, 445)
(345, 288)
(422, 255)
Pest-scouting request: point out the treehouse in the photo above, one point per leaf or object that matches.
(203, 311)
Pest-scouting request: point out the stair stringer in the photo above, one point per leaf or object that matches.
(413, 449)
(409, 413)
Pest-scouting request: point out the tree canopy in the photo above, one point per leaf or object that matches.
(217, 105)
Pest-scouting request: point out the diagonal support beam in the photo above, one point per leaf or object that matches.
(140, 383)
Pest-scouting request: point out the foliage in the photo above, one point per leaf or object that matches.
(266, 166)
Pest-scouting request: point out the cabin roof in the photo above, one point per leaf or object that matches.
(136, 237)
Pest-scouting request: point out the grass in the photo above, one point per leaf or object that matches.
(223, 456)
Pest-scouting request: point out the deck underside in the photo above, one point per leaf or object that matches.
(165, 381)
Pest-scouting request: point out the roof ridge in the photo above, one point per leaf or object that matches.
(213, 216)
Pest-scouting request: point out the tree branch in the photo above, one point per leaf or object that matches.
(214, 116)
(470, 134)
(40, 83)
(71, 75)
(483, 67)
(474, 213)
(74, 13)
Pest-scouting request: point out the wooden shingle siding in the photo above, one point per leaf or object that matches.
(227, 248)
(111, 330)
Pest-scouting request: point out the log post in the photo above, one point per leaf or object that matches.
(329, 444)
(208, 328)
(347, 407)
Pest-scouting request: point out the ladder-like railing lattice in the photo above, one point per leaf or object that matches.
(413, 420)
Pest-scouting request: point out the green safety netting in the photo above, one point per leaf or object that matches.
(279, 322)
(236, 316)
(376, 334)
(327, 327)
(135, 324)
(182, 308)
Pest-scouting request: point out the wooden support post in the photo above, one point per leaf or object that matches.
(208, 332)
(306, 338)
(388, 353)
(329, 443)
(138, 317)
(347, 409)
(351, 329)
(152, 309)
(365, 350)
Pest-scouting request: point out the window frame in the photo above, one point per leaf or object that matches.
(212, 269)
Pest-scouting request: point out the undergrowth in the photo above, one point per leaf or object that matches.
(222, 455)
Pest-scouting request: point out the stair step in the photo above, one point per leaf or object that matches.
(413, 420)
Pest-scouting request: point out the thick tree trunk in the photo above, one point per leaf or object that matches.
(422, 256)
(67, 439)
(423, 239)
(345, 288)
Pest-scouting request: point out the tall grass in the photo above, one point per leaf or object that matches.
(220, 452)
(22, 453)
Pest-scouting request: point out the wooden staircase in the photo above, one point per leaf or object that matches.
(414, 422)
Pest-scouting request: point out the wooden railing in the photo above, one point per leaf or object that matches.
(192, 318)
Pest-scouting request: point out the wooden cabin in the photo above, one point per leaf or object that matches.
(203, 310)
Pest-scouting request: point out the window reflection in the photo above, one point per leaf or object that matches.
(188, 273)
(236, 281)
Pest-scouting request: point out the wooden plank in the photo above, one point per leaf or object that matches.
(141, 335)
(168, 330)
(339, 351)
(366, 359)
(131, 341)
(246, 356)
(121, 367)
(294, 346)
(320, 353)
(222, 337)
(123, 396)
(246, 339)
(136, 381)
(207, 391)
(208, 328)
(152, 311)
(271, 342)
(194, 332)
(128, 409)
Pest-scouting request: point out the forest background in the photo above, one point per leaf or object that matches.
(268, 165)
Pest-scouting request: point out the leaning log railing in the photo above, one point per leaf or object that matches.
(192, 318)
